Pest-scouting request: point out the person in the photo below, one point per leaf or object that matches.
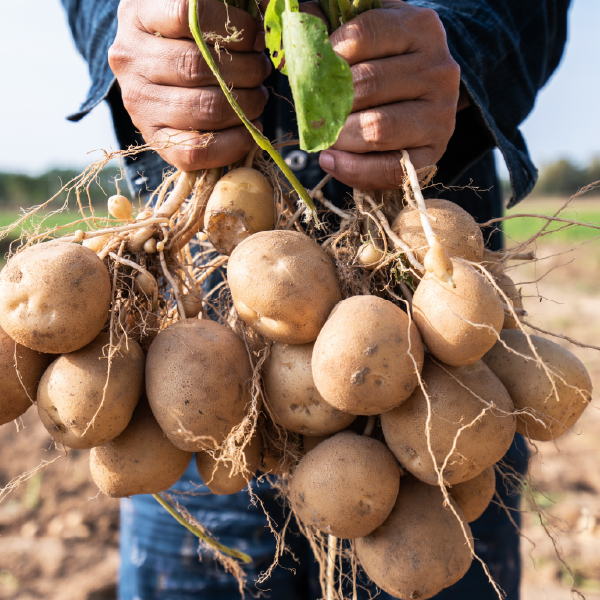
(448, 80)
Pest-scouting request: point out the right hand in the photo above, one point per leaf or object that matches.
(170, 92)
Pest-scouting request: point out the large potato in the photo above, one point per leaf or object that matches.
(456, 229)
(196, 380)
(346, 486)
(54, 297)
(284, 285)
(367, 357)
(458, 325)
(76, 386)
(421, 548)
(217, 475)
(241, 204)
(139, 461)
(531, 390)
(20, 372)
(474, 496)
(294, 400)
(458, 397)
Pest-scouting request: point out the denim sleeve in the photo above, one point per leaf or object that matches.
(507, 50)
(93, 24)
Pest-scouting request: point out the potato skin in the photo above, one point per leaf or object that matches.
(242, 203)
(420, 549)
(72, 389)
(441, 314)
(18, 389)
(453, 407)
(284, 285)
(361, 362)
(139, 461)
(216, 476)
(54, 297)
(346, 486)
(529, 387)
(506, 284)
(456, 229)
(292, 396)
(196, 378)
(474, 496)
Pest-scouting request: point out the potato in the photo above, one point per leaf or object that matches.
(217, 476)
(346, 486)
(456, 229)
(474, 496)
(531, 390)
(196, 377)
(453, 395)
(310, 442)
(242, 203)
(505, 283)
(54, 297)
(420, 549)
(458, 325)
(367, 356)
(284, 285)
(294, 400)
(139, 461)
(74, 386)
(20, 372)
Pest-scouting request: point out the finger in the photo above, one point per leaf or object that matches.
(400, 125)
(389, 80)
(191, 150)
(376, 171)
(170, 19)
(386, 32)
(179, 63)
(200, 109)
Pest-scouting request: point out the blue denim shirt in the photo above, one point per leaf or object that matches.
(506, 49)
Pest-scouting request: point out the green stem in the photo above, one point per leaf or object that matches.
(360, 6)
(199, 533)
(334, 14)
(346, 10)
(253, 8)
(377, 4)
(259, 138)
(324, 4)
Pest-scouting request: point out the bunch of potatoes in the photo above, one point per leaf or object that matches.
(449, 384)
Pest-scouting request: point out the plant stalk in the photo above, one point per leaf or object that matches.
(346, 10)
(199, 533)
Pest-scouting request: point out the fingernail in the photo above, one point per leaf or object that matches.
(327, 161)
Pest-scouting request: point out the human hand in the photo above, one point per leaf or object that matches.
(170, 92)
(406, 90)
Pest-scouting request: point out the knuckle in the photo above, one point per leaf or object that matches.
(375, 128)
(391, 172)
(212, 107)
(119, 56)
(357, 32)
(131, 94)
(364, 77)
(190, 67)
(176, 12)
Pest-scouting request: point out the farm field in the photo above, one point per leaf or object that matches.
(59, 537)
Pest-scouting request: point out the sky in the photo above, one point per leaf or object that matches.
(44, 79)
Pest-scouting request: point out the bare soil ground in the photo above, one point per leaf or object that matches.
(59, 538)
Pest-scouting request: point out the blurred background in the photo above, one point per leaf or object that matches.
(59, 539)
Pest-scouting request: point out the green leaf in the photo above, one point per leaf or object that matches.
(321, 81)
(274, 29)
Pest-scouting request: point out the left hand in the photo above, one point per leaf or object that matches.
(406, 92)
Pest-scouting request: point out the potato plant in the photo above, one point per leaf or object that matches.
(375, 369)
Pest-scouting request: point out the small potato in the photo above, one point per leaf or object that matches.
(283, 285)
(470, 400)
(474, 496)
(217, 475)
(505, 283)
(139, 461)
(531, 389)
(54, 297)
(74, 388)
(420, 549)
(294, 400)
(20, 372)
(196, 381)
(367, 357)
(346, 486)
(458, 325)
(456, 229)
(241, 204)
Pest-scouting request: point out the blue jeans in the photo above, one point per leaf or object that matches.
(160, 559)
